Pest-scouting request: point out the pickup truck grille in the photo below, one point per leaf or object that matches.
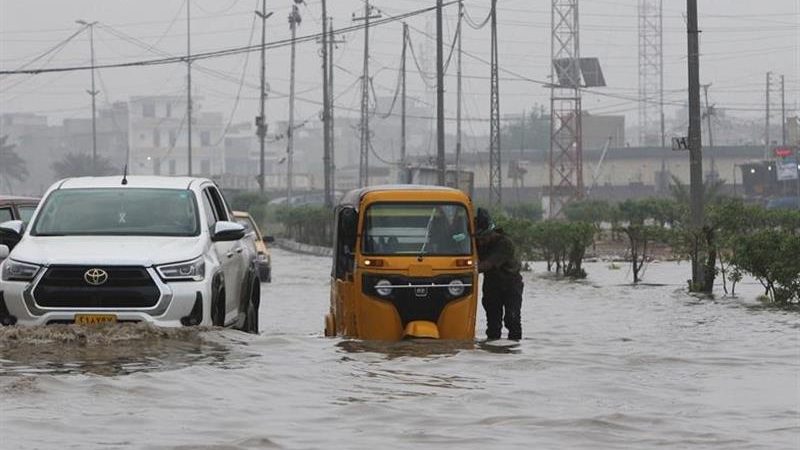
(125, 287)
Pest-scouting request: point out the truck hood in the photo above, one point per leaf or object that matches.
(107, 250)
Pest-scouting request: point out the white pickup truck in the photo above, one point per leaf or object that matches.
(130, 249)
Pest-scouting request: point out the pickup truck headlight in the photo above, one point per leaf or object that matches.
(19, 271)
(194, 270)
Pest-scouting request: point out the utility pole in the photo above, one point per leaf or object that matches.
(403, 99)
(326, 131)
(331, 116)
(709, 113)
(363, 167)
(459, 93)
(189, 84)
(495, 174)
(440, 156)
(93, 93)
(766, 122)
(696, 188)
(661, 72)
(294, 21)
(783, 110)
(261, 120)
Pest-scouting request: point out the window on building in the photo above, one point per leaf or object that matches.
(148, 109)
(205, 167)
(173, 137)
(156, 138)
(172, 167)
(205, 138)
(169, 109)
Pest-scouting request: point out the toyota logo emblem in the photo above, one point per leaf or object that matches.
(95, 277)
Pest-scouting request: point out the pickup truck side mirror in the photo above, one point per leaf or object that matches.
(227, 231)
(269, 239)
(13, 228)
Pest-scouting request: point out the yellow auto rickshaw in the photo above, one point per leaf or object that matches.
(404, 265)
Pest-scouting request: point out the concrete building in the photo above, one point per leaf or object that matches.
(627, 172)
(158, 137)
(601, 129)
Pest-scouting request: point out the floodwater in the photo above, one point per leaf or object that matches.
(603, 365)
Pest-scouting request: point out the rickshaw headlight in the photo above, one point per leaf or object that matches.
(383, 288)
(456, 288)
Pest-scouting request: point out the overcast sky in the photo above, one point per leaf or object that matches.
(741, 41)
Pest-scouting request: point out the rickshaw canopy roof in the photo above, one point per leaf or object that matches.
(404, 192)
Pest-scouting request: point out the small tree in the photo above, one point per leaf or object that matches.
(636, 215)
(80, 165)
(593, 212)
(11, 164)
(771, 255)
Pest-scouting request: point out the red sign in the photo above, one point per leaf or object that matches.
(783, 152)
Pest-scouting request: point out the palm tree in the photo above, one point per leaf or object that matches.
(11, 165)
(711, 191)
(80, 165)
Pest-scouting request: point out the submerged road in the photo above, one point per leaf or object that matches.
(603, 365)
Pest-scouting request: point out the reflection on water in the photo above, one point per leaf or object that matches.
(105, 349)
(419, 348)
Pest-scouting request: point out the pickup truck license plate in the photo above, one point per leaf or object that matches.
(94, 319)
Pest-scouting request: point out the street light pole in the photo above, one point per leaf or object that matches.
(93, 93)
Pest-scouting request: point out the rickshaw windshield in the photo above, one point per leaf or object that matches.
(430, 229)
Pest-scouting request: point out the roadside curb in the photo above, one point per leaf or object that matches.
(306, 249)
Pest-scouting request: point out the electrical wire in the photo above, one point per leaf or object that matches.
(241, 83)
(421, 72)
(473, 24)
(228, 51)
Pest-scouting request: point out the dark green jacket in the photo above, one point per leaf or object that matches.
(498, 261)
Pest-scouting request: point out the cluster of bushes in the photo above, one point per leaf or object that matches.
(252, 202)
(737, 238)
(561, 244)
(307, 224)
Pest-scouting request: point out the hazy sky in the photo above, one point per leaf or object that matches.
(741, 41)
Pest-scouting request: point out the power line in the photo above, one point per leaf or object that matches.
(229, 51)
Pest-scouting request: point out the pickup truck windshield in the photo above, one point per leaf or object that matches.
(118, 211)
(424, 229)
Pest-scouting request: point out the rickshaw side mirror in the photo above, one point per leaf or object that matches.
(349, 226)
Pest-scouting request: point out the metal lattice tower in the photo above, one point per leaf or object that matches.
(566, 146)
(651, 73)
(495, 175)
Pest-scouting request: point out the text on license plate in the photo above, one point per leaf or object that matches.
(94, 319)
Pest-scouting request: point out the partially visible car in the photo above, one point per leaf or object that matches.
(259, 242)
(15, 208)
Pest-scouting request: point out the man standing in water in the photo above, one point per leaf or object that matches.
(502, 282)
